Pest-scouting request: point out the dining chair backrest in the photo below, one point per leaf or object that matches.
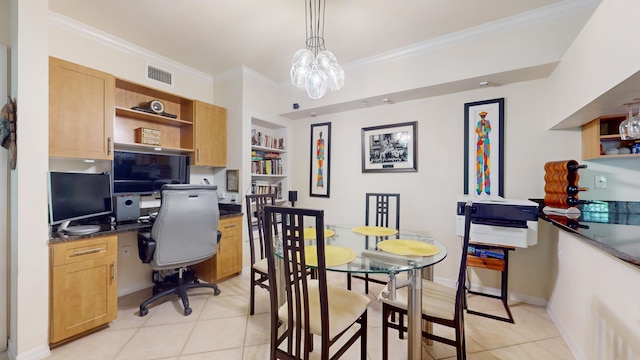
(296, 284)
(255, 206)
(462, 275)
(382, 209)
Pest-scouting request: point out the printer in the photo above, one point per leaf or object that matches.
(499, 221)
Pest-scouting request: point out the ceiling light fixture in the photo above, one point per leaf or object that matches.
(314, 68)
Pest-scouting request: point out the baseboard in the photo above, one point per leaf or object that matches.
(36, 353)
(566, 336)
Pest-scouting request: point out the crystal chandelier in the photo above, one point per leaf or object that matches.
(314, 68)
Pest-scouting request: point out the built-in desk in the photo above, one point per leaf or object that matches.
(83, 272)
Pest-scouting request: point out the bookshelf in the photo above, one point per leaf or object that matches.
(269, 159)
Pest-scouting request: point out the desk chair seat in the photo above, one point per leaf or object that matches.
(440, 304)
(184, 233)
(311, 306)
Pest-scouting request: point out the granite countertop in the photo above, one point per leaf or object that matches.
(107, 228)
(611, 226)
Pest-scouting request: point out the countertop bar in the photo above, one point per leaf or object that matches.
(113, 229)
(611, 226)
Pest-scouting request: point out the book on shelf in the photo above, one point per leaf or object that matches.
(486, 253)
(259, 138)
(264, 187)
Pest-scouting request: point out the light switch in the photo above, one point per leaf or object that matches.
(600, 182)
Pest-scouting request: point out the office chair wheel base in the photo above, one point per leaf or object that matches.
(187, 311)
(143, 311)
(216, 292)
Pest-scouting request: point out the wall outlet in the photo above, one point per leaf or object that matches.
(126, 251)
(600, 181)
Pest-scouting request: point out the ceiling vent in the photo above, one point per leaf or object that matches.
(159, 75)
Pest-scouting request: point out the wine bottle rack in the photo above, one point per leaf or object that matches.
(561, 183)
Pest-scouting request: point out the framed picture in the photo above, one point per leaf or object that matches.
(390, 148)
(484, 148)
(233, 180)
(320, 174)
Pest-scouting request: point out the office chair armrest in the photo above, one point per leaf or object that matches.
(219, 236)
(146, 247)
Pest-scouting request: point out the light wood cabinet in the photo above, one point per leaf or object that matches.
(81, 111)
(605, 131)
(83, 286)
(228, 259)
(175, 133)
(210, 135)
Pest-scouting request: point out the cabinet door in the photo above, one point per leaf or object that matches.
(83, 286)
(81, 111)
(210, 135)
(230, 248)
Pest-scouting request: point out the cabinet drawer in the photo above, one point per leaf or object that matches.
(81, 250)
(231, 226)
(487, 263)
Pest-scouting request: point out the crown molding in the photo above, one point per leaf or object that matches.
(61, 21)
(532, 17)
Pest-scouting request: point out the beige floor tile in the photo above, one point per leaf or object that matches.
(557, 346)
(217, 334)
(229, 354)
(225, 306)
(528, 351)
(102, 345)
(171, 311)
(258, 327)
(491, 334)
(156, 342)
(257, 352)
(262, 302)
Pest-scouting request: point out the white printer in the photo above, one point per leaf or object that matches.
(499, 221)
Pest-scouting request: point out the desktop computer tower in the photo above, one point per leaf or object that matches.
(127, 207)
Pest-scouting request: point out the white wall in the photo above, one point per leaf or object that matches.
(428, 197)
(594, 300)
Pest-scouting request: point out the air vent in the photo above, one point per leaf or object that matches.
(159, 75)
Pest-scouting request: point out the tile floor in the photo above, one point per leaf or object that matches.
(220, 328)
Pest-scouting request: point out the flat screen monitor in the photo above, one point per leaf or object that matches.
(76, 196)
(145, 173)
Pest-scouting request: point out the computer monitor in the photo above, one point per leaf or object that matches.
(144, 173)
(76, 196)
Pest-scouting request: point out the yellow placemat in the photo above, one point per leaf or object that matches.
(408, 247)
(375, 230)
(335, 255)
(310, 233)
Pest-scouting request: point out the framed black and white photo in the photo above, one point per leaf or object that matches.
(233, 180)
(319, 177)
(390, 148)
(484, 148)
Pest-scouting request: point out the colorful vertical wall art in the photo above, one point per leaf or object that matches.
(483, 148)
(319, 177)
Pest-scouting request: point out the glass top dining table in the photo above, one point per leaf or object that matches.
(360, 253)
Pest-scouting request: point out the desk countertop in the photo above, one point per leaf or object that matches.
(114, 229)
(611, 226)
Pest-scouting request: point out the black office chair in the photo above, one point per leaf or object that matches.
(259, 272)
(311, 307)
(440, 304)
(386, 213)
(184, 233)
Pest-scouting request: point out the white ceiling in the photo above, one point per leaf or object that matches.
(215, 36)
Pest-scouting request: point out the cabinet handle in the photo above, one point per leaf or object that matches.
(229, 226)
(198, 154)
(109, 145)
(86, 252)
(113, 271)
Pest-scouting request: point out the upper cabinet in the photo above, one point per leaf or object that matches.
(81, 111)
(602, 134)
(210, 135)
(171, 123)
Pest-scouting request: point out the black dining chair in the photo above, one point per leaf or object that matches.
(311, 306)
(255, 210)
(381, 209)
(440, 304)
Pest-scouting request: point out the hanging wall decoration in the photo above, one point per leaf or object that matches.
(484, 148)
(8, 130)
(319, 177)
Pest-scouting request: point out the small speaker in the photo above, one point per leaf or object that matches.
(127, 208)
